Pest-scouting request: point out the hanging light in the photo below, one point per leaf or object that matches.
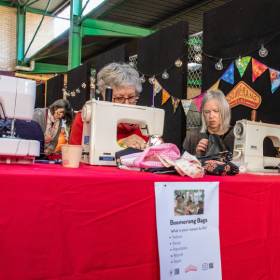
(219, 65)
(197, 48)
(178, 63)
(239, 62)
(198, 58)
(165, 75)
(263, 52)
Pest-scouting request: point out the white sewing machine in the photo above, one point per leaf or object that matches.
(17, 100)
(248, 145)
(101, 119)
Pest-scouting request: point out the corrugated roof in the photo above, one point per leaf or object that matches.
(147, 13)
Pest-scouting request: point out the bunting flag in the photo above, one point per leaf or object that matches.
(228, 75)
(257, 69)
(241, 64)
(156, 87)
(164, 96)
(197, 101)
(215, 86)
(186, 103)
(175, 103)
(275, 79)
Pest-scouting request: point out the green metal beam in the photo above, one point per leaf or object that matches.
(37, 11)
(96, 27)
(7, 4)
(20, 34)
(44, 68)
(75, 36)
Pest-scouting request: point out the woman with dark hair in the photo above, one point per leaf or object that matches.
(55, 122)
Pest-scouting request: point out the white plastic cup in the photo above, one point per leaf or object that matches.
(71, 155)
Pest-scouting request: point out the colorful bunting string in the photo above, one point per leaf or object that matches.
(241, 64)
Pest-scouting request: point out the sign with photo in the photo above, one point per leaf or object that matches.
(188, 230)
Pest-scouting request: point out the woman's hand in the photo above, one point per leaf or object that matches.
(201, 146)
(133, 141)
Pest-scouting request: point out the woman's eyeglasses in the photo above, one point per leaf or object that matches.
(122, 99)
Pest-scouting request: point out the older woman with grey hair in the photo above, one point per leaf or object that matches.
(123, 79)
(126, 85)
(215, 116)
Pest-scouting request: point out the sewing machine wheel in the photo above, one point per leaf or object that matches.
(238, 130)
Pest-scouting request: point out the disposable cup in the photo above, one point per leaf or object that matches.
(71, 155)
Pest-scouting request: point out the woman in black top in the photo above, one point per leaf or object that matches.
(215, 135)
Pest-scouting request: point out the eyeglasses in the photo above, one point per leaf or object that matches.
(122, 99)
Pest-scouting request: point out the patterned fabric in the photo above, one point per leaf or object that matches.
(219, 164)
(52, 129)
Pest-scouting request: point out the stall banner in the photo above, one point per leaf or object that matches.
(187, 216)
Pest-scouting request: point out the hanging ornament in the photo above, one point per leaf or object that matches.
(142, 79)
(83, 85)
(197, 48)
(178, 63)
(219, 65)
(239, 62)
(78, 90)
(131, 63)
(198, 58)
(152, 80)
(263, 52)
(165, 75)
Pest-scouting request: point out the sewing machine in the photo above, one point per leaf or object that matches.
(248, 145)
(17, 100)
(101, 118)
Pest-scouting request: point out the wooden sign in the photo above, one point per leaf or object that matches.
(243, 94)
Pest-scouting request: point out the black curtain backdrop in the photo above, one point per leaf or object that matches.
(54, 89)
(238, 29)
(156, 53)
(75, 78)
(114, 55)
(40, 96)
(82, 74)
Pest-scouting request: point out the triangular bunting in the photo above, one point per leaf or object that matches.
(257, 69)
(215, 86)
(156, 87)
(241, 64)
(186, 103)
(197, 101)
(275, 79)
(175, 103)
(164, 96)
(228, 76)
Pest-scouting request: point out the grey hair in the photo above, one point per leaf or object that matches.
(224, 109)
(118, 75)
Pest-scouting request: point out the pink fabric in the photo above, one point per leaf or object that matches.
(150, 157)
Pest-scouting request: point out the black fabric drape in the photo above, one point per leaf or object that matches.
(75, 78)
(155, 54)
(114, 55)
(40, 96)
(238, 29)
(54, 89)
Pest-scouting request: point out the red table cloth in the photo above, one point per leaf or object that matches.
(99, 223)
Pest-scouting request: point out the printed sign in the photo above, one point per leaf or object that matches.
(188, 230)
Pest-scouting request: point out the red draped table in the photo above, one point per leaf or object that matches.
(99, 223)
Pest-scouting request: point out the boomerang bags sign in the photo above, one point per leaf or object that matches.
(188, 230)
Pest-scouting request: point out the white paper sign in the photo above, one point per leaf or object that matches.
(188, 230)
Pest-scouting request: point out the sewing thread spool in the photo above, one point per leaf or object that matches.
(253, 115)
